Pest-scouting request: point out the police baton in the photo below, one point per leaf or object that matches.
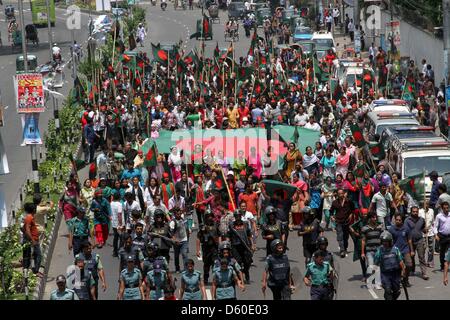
(405, 288)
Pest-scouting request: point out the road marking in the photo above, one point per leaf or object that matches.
(208, 294)
(429, 287)
(373, 294)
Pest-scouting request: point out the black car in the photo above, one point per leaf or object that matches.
(236, 10)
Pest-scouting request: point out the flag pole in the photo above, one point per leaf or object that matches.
(235, 75)
(114, 43)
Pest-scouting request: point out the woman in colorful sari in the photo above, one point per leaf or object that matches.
(175, 163)
(310, 161)
(328, 163)
(315, 185)
(342, 162)
(70, 201)
(254, 161)
(292, 156)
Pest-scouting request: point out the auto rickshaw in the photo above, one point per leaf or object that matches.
(213, 11)
(31, 34)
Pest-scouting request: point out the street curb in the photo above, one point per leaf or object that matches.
(50, 244)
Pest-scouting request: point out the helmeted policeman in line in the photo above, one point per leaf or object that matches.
(93, 263)
(85, 289)
(62, 293)
(78, 231)
(208, 238)
(225, 253)
(152, 257)
(224, 282)
(129, 250)
(310, 230)
(318, 276)
(271, 229)
(192, 286)
(392, 266)
(130, 282)
(159, 233)
(277, 273)
(155, 282)
(322, 244)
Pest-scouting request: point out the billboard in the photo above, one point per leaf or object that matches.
(29, 93)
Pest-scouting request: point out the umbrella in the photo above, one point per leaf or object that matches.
(272, 186)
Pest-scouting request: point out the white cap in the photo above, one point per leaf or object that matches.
(91, 114)
(244, 119)
(230, 173)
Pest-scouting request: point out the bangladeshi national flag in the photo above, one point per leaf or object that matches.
(191, 58)
(414, 185)
(377, 150)
(259, 87)
(149, 150)
(359, 170)
(245, 72)
(251, 50)
(357, 136)
(216, 52)
(159, 54)
(409, 90)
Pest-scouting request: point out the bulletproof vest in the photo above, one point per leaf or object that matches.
(328, 257)
(242, 232)
(150, 261)
(139, 242)
(278, 270)
(83, 292)
(207, 235)
(225, 279)
(162, 231)
(389, 261)
(92, 266)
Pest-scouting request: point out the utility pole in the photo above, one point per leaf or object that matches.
(356, 14)
(49, 26)
(446, 21)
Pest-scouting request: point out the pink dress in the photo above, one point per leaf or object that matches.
(342, 162)
(256, 164)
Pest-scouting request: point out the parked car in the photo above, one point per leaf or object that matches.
(236, 10)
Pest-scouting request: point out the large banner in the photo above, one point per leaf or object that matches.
(31, 134)
(29, 93)
(393, 38)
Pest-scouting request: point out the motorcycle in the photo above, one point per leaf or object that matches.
(57, 58)
(163, 6)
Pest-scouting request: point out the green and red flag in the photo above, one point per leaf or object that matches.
(217, 51)
(359, 170)
(357, 136)
(245, 73)
(414, 185)
(377, 150)
(259, 87)
(160, 55)
(149, 149)
(409, 90)
(295, 136)
(191, 58)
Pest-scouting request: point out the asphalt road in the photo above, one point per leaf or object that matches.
(170, 26)
(19, 158)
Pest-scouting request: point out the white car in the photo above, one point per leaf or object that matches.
(324, 40)
(390, 105)
(103, 23)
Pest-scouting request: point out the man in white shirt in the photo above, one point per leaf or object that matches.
(329, 22)
(116, 221)
(129, 206)
(312, 124)
(157, 205)
(178, 227)
(428, 215)
(177, 201)
(102, 167)
(336, 15)
(301, 118)
(141, 194)
(380, 202)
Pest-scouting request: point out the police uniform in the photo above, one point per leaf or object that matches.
(156, 281)
(93, 264)
(140, 242)
(132, 280)
(86, 283)
(328, 257)
(240, 246)
(389, 262)
(135, 252)
(67, 294)
(163, 244)
(271, 229)
(191, 282)
(232, 262)
(320, 280)
(225, 284)
(150, 261)
(279, 268)
(80, 231)
(207, 236)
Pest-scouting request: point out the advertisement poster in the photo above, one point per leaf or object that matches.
(31, 134)
(29, 93)
(393, 37)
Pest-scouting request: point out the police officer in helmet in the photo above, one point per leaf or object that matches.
(62, 293)
(392, 266)
(86, 288)
(208, 239)
(322, 244)
(318, 276)
(225, 253)
(272, 229)
(277, 273)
